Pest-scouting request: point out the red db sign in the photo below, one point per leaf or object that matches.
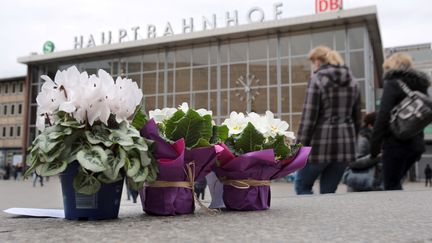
(322, 6)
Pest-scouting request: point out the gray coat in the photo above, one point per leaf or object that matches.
(331, 115)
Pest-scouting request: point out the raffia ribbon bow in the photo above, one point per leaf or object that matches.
(189, 184)
(245, 184)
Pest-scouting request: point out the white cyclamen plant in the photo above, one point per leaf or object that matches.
(252, 132)
(85, 118)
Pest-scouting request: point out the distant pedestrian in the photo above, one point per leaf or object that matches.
(330, 122)
(397, 155)
(199, 187)
(35, 178)
(428, 175)
(8, 169)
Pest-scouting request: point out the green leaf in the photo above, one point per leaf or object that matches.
(93, 159)
(281, 149)
(45, 144)
(201, 143)
(145, 158)
(133, 167)
(249, 139)
(51, 169)
(86, 184)
(98, 136)
(171, 124)
(104, 179)
(139, 118)
(189, 127)
(114, 164)
(72, 124)
(135, 185)
(141, 175)
(121, 138)
(220, 134)
(59, 134)
(207, 128)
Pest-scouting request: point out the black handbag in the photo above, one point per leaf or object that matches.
(411, 115)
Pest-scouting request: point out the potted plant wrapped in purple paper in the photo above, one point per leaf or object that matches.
(255, 152)
(184, 148)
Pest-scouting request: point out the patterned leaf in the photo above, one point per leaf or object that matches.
(93, 159)
(51, 169)
(86, 184)
(114, 164)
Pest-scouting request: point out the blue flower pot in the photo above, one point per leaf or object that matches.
(104, 204)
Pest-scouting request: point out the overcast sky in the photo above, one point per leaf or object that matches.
(27, 24)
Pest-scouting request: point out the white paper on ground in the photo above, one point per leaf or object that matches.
(216, 191)
(36, 212)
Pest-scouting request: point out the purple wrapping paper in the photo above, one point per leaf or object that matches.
(172, 159)
(259, 165)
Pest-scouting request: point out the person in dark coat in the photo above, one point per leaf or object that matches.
(330, 122)
(364, 174)
(428, 175)
(397, 155)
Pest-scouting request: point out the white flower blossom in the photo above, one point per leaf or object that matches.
(184, 107)
(275, 126)
(86, 98)
(203, 112)
(236, 123)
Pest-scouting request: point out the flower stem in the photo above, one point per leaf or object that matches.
(47, 117)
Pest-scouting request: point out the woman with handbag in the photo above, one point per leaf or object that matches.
(330, 122)
(397, 155)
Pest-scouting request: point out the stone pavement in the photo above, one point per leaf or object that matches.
(399, 216)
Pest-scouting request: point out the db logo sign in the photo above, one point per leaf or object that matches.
(323, 6)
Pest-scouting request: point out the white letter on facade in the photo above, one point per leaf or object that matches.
(106, 40)
(206, 22)
(151, 31)
(168, 30)
(91, 42)
(252, 11)
(135, 30)
(189, 27)
(230, 19)
(277, 12)
(122, 34)
(78, 43)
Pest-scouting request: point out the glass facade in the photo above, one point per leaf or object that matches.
(262, 73)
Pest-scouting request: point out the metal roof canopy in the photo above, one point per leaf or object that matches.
(365, 15)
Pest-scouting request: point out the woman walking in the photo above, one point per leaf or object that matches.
(397, 155)
(330, 122)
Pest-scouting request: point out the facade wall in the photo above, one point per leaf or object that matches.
(11, 118)
(213, 75)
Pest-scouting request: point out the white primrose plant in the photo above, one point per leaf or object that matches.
(85, 119)
(195, 126)
(253, 132)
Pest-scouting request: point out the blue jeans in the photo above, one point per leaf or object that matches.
(330, 176)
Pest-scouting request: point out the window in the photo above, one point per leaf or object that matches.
(6, 87)
(21, 87)
(13, 87)
(11, 131)
(18, 131)
(5, 109)
(4, 132)
(1, 88)
(12, 109)
(20, 109)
